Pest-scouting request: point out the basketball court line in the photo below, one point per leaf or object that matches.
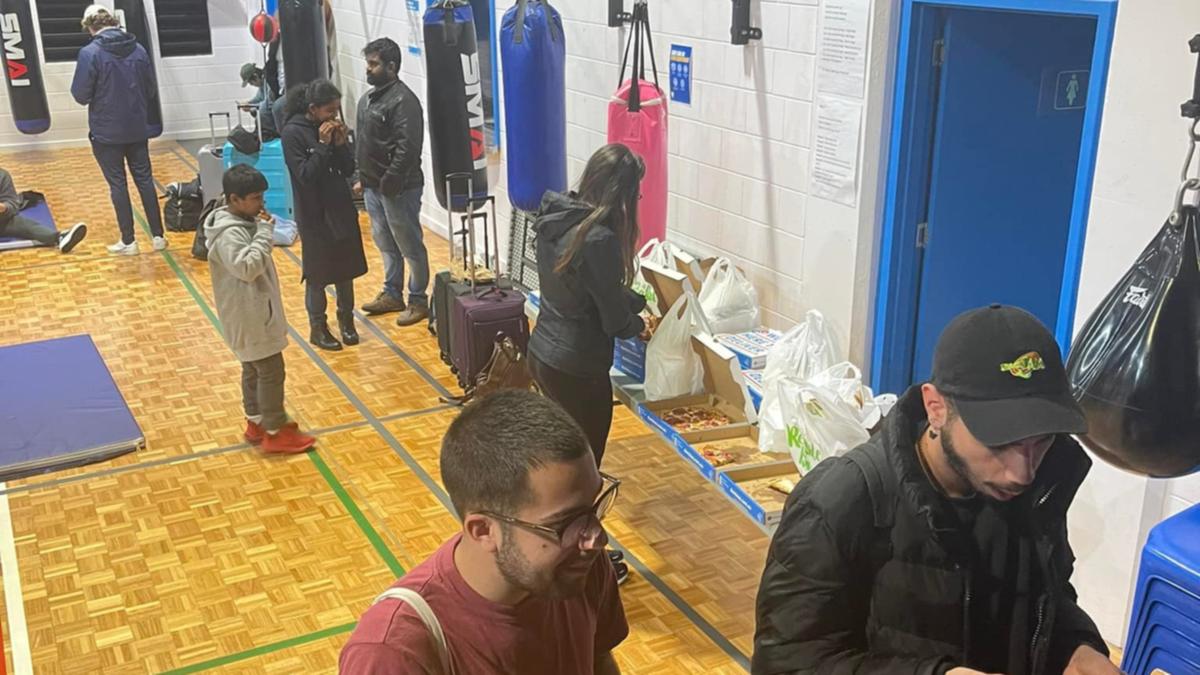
(18, 629)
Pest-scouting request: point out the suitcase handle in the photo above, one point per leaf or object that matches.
(212, 130)
(468, 231)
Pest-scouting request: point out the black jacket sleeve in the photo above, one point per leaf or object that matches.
(407, 136)
(308, 168)
(601, 274)
(814, 597)
(1072, 626)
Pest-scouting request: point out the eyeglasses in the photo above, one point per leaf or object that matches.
(575, 529)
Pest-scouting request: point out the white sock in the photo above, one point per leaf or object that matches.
(257, 419)
(272, 432)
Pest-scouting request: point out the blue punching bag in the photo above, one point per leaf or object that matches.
(534, 51)
(454, 102)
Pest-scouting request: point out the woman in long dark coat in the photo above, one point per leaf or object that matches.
(320, 160)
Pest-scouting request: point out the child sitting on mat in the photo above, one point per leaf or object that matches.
(246, 289)
(13, 224)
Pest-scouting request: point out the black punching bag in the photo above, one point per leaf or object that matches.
(1135, 366)
(302, 30)
(136, 22)
(454, 100)
(23, 68)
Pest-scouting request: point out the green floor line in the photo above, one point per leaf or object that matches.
(372, 536)
(263, 650)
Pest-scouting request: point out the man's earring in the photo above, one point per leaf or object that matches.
(933, 434)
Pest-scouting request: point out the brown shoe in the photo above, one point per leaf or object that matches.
(383, 304)
(412, 315)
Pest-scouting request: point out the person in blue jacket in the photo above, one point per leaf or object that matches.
(115, 80)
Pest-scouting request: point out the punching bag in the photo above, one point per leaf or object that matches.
(1135, 367)
(455, 101)
(302, 30)
(534, 51)
(23, 68)
(637, 118)
(134, 20)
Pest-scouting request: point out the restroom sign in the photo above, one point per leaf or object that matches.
(681, 74)
(1071, 90)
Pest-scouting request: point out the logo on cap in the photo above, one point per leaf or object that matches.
(1025, 366)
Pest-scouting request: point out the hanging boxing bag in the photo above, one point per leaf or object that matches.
(302, 30)
(1135, 367)
(637, 118)
(454, 101)
(135, 21)
(534, 51)
(23, 68)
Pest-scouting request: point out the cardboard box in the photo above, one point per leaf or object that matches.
(668, 285)
(754, 386)
(750, 488)
(629, 357)
(751, 347)
(722, 378)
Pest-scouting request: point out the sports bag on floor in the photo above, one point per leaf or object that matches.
(637, 118)
(183, 207)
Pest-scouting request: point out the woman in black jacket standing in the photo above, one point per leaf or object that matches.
(587, 259)
(320, 161)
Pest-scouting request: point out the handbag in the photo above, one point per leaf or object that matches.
(506, 369)
(425, 614)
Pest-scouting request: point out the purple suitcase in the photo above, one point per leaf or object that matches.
(479, 317)
(476, 319)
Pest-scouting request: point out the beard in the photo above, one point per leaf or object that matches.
(376, 78)
(958, 464)
(546, 583)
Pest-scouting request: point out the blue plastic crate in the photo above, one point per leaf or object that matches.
(269, 161)
(1168, 579)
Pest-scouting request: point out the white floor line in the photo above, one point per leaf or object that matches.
(14, 602)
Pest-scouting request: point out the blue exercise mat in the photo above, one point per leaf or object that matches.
(39, 212)
(60, 408)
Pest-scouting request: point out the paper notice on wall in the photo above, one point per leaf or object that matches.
(835, 150)
(842, 56)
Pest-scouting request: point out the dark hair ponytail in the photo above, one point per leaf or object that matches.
(302, 96)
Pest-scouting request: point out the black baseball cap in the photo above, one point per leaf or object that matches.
(1004, 371)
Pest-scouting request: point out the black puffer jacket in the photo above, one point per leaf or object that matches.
(868, 571)
(587, 306)
(391, 130)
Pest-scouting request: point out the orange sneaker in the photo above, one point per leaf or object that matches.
(288, 441)
(254, 433)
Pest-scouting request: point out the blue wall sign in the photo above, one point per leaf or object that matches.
(681, 74)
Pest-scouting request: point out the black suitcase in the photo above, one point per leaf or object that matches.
(439, 315)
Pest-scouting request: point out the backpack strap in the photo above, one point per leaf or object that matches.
(425, 613)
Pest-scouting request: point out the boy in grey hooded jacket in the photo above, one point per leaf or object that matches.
(246, 290)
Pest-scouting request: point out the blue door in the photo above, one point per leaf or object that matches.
(1008, 120)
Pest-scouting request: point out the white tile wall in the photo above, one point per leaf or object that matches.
(190, 87)
(739, 155)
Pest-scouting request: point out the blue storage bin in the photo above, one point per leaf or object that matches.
(270, 162)
(1162, 627)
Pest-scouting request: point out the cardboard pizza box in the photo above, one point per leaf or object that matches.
(668, 285)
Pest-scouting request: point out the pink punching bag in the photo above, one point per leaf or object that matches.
(637, 118)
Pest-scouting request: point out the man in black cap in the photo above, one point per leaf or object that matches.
(940, 546)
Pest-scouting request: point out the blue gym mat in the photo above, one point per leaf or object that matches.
(39, 212)
(60, 408)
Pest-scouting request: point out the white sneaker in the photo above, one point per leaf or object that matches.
(124, 249)
(160, 243)
(70, 239)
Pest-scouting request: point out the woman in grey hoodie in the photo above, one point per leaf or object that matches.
(246, 290)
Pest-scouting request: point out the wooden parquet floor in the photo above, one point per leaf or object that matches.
(198, 554)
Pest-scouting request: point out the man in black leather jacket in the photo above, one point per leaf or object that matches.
(391, 128)
(940, 546)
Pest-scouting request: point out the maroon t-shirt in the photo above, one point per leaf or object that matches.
(535, 637)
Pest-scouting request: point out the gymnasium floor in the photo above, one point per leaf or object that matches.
(197, 553)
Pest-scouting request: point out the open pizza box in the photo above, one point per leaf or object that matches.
(668, 285)
(760, 489)
(725, 411)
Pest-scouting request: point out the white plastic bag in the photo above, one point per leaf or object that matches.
(659, 253)
(285, 233)
(805, 350)
(728, 299)
(820, 425)
(845, 379)
(673, 368)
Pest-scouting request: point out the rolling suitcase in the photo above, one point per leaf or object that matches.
(212, 167)
(484, 313)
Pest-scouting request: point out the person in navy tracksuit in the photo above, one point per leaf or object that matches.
(115, 80)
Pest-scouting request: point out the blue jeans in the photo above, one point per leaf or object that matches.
(396, 228)
(112, 160)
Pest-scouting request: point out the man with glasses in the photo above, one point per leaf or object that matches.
(525, 587)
